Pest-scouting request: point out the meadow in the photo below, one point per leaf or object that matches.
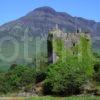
(53, 98)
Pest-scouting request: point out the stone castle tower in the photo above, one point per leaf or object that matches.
(60, 43)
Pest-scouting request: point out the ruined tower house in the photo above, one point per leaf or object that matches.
(60, 44)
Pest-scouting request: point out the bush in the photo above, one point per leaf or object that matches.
(40, 76)
(97, 76)
(97, 67)
(97, 72)
(65, 78)
(3, 85)
(18, 78)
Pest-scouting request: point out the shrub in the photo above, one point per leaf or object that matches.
(97, 76)
(97, 72)
(40, 76)
(3, 85)
(65, 78)
(20, 77)
(97, 67)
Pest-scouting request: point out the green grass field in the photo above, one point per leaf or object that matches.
(53, 98)
(65, 98)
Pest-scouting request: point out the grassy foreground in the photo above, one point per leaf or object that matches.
(66, 98)
(53, 98)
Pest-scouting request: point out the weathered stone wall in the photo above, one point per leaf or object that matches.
(63, 44)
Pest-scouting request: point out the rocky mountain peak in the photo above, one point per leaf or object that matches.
(45, 9)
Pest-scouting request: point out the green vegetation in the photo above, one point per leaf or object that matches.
(52, 98)
(17, 78)
(66, 78)
(97, 67)
(97, 72)
(65, 98)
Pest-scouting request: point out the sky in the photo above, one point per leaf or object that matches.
(14, 9)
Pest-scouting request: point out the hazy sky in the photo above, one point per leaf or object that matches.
(13, 9)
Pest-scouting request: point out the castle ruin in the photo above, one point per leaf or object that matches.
(60, 45)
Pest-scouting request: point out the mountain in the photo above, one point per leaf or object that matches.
(42, 20)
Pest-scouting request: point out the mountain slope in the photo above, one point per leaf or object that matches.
(43, 19)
